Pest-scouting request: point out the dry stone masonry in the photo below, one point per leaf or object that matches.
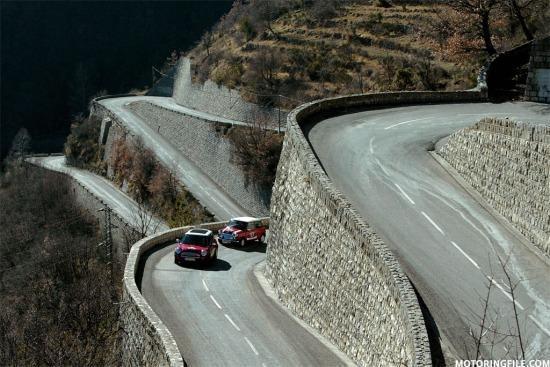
(508, 163)
(327, 265)
(204, 143)
(331, 271)
(217, 100)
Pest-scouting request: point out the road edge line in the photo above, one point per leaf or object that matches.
(265, 286)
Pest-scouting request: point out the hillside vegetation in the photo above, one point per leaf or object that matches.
(58, 295)
(137, 171)
(306, 50)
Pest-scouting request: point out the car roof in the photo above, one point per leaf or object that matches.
(246, 219)
(199, 232)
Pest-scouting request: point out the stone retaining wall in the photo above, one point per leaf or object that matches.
(217, 100)
(147, 341)
(538, 79)
(325, 262)
(509, 164)
(205, 144)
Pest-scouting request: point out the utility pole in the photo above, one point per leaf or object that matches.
(108, 231)
(108, 242)
(279, 115)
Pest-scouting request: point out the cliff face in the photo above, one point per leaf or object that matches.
(508, 163)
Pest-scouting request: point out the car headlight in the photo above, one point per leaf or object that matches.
(204, 252)
(178, 250)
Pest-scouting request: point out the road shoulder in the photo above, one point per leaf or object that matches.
(263, 285)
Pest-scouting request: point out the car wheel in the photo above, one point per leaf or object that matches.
(262, 239)
(242, 242)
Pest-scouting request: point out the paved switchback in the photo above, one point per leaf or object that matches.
(219, 315)
(444, 239)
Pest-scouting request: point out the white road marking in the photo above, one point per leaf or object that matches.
(205, 286)
(264, 365)
(232, 322)
(404, 193)
(382, 167)
(406, 122)
(482, 114)
(371, 149)
(433, 223)
(539, 324)
(251, 346)
(506, 293)
(465, 254)
(215, 302)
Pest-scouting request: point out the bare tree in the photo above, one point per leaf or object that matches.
(206, 41)
(488, 333)
(21, 144)
(481, 9)
(517, 10)
(256, 149)
(144, 221)
(266, 12)
(262, 71)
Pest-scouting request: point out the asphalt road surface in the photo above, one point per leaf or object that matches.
(199, 184)
(445, 240)
(117, 200)
(220, 316)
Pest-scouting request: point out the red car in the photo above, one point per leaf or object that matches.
(197, 246)
(241, 230)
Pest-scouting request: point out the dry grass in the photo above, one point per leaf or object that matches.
(339, 55)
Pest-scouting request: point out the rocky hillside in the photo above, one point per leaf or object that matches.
(310, 49)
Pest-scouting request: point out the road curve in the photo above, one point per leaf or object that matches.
(219, 316)
(444, 239)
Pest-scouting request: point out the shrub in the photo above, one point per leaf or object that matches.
(82, 147)
(404, 79)
(154, 186)
(322, 10)
(256, 150)
(383, 4)
(247, 28)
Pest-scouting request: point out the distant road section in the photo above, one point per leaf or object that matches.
(199, 184)
(117, 200)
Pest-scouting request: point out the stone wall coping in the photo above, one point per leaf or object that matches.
(314, 111)
(172, 353)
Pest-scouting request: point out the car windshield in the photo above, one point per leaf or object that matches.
(192, 239)
(237, 224)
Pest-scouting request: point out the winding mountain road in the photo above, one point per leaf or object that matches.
(219, 315)
(445, 240)
(379, 159)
